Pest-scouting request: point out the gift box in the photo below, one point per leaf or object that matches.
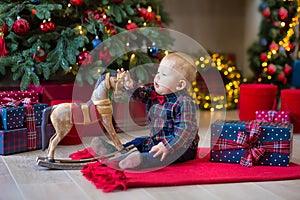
(255, 97)
(20, 140)
(290, 101)
(15, 117)
(272, 116)
(19, 95)
(251, 142)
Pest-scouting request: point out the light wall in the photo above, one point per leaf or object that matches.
(219, 26)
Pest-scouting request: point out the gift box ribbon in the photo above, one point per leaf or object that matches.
(249, 140)
(30, 119)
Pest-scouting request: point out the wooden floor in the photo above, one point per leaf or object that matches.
(21, 179)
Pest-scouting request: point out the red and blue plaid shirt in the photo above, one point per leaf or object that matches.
(172, 122)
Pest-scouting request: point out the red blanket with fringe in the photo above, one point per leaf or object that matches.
(198, 171)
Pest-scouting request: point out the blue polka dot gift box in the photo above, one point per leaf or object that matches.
(15, 117)
(251, 143)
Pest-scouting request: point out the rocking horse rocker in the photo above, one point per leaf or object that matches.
(62, 118)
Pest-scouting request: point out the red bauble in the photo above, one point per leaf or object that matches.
(4, 29)
(266, 12)
(271, 69)
(84, 58)
(44, 27)
(283, 13)
(21, 26)
(263, 57)
(131, 26)
(274, 47)
(287, 69)
(281, 78)
(104, 56)
(40, 55)
(292, 47)
(77, 2)
(51, 26)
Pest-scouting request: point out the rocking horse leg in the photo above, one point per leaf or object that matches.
(107, 123)
(52, 145)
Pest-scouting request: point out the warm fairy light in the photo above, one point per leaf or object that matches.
(149, 9)
(264, 64)
(69, 5)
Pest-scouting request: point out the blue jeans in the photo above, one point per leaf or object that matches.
(181, 155)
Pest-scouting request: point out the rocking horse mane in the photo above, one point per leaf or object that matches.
(102, 77)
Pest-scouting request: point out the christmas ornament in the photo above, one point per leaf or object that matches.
(130, 26)
(273, 47)
(47, 26)
(281, 49)
(44, 27)
(266, 12)
(77, 2)
(21, 26)
(287, 69)
(263, 57)
(281, 78)
(3, 32)
(33, 11)
(291, 47)
(104, 56)
(153, 51)
(283, 13)
(271, 69)
(51, 26)
(263, 6)
(40, 55)
(96, 42)
(84, 58)
(263, 42)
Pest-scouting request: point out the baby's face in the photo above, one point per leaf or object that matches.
(167, 80)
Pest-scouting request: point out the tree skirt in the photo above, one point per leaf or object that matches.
(198, 171)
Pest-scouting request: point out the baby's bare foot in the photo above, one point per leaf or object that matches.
(133, 160)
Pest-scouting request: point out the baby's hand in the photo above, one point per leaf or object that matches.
(159, 149)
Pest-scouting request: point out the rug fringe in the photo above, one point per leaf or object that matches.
(104, 177)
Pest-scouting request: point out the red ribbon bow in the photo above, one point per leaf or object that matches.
(161, 99)
(255, 148)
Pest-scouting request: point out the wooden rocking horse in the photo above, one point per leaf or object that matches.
(62, 118)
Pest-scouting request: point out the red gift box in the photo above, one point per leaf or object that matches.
(18, 95)
(272, 116)
(255, 97)
(290, 101)
(50, 92)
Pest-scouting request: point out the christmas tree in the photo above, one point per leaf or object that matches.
(271, 56)
(40, 39)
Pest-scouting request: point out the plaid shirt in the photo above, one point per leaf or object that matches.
(173, 122)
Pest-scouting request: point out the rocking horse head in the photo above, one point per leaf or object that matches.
(115, 81)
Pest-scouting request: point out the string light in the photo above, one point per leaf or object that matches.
(233, 78)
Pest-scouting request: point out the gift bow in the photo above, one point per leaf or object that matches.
(30, 118)
(10, 102)
(255, 148)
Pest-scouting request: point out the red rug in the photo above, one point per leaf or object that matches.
(198, 171)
